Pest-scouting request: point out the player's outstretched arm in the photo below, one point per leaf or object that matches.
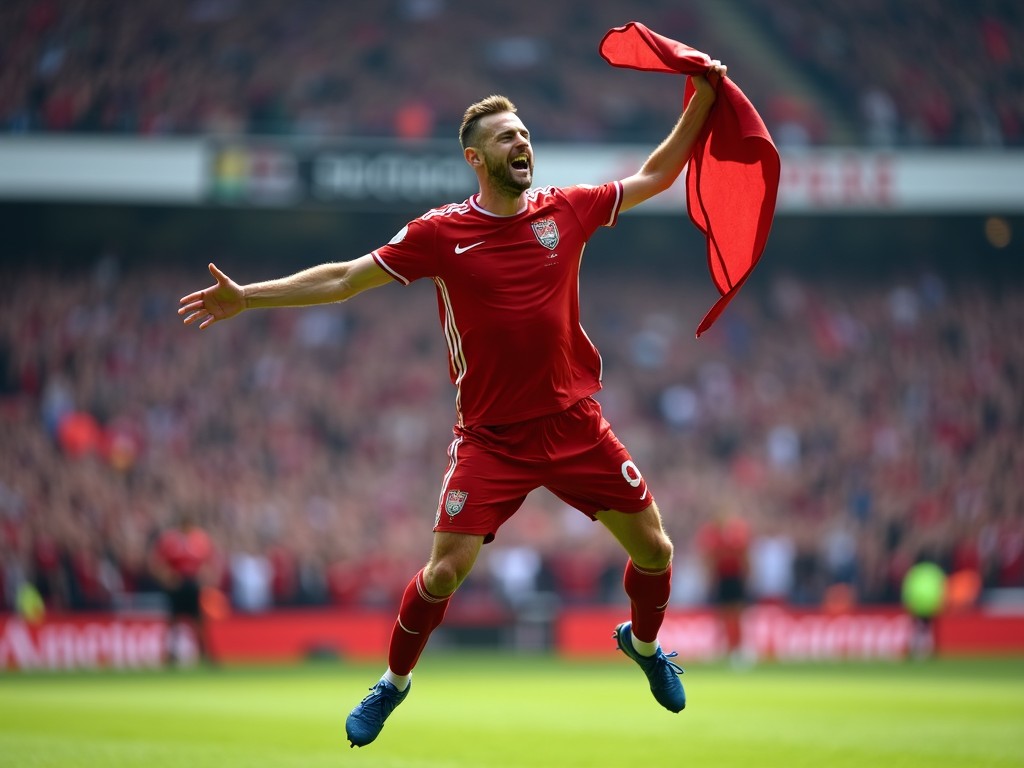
(665, 164)
(322, 284)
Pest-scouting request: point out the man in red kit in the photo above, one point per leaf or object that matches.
(505, 264)
(724, 542)
(182, 561)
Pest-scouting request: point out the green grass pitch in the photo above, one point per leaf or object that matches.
(507, 711)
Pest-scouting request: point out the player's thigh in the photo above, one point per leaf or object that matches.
(641, 534)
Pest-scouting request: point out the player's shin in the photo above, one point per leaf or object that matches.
(648, 593)
(419, 615)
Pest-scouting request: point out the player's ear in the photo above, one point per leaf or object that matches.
(472, 156)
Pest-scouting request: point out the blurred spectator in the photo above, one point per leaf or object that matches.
(772, 557)
(725, 543)
(923, 591)
(184, 561)
(251, 575)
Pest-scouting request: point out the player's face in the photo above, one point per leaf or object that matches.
(507, 153)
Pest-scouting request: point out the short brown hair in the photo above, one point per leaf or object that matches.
(492, 105)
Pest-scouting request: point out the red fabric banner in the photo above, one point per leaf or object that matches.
(732, 180)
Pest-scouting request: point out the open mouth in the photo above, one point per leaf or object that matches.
(521, 162)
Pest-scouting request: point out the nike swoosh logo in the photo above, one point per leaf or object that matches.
(645, 494)
(460, 249)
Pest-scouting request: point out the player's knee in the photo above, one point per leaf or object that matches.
(442, 577)
(657, 554)
(664, 551)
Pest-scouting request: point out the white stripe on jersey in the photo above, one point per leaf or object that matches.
(600, 360)
(380, 262)
(445, 210)
(453, 460)
(615, 208)
(454, 341)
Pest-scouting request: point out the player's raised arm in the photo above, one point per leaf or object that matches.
(322, 284)
(665, 164)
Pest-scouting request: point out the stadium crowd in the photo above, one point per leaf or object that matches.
(854, 426)
(915, 73)
(918, 72)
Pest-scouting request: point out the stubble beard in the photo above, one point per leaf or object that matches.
(502, 180)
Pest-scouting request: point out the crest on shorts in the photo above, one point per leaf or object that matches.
(454, 502)
(547, 232)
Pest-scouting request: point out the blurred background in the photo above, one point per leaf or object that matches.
(856, 410)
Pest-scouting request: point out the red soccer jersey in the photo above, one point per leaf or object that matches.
(185, 552)
(508, 298)
(725, 544)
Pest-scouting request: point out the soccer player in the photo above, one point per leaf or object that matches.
(505, 264)
(183, 561)
(724, 542)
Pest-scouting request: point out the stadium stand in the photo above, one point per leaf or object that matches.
(861, 72)
(830, 413)
(915, 73)
(830, 409)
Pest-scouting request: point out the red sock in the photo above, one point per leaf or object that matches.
(420, 614)
(648, 593)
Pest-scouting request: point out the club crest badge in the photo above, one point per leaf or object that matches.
(547, 232)
(454, 502)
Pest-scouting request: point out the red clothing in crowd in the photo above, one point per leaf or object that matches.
(185, 551)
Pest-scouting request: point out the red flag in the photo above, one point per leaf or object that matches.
(732, 181)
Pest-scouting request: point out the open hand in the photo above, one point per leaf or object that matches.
(220, 301)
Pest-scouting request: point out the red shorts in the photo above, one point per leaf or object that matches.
(574, 454)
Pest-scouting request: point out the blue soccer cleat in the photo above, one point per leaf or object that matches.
(662, 674)
(366, 721)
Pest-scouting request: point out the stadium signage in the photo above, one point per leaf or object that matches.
(82, 644)
(773, 633)
(777, 634)
(906, 181)
(389, 177)
(838, 181)
(768, 632)
(356, 174)
(371, 174)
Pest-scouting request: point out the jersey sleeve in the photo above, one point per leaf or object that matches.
(596, 206)
(410, 254)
